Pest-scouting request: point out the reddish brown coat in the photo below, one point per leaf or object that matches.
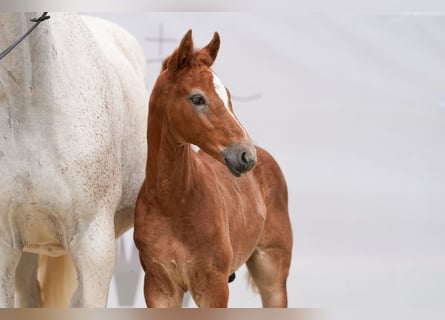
(196, 221)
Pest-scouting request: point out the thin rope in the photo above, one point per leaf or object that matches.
(36, 21)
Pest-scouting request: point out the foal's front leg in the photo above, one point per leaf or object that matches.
(210, 289)
(161, 292)
(93, 251)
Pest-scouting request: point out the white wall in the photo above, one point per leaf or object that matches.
(353, 108)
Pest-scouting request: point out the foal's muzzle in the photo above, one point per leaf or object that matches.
(240, 158)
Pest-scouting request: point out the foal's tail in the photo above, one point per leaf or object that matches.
(57, 279)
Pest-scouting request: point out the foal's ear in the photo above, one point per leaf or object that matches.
(213, 47)
(181, 57)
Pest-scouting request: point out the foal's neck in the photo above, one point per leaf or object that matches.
(170, 164)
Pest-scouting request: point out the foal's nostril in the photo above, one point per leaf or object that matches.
(239, 159)
(247, 160)
(244, 159)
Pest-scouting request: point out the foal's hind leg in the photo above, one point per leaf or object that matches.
(269, 269)
(269, 264)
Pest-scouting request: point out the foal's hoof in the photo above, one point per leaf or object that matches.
(232, 277)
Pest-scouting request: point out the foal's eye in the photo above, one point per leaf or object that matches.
(197, 100)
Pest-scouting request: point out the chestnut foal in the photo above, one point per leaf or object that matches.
(197, 218)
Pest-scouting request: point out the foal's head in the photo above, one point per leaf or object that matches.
(198, 107)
